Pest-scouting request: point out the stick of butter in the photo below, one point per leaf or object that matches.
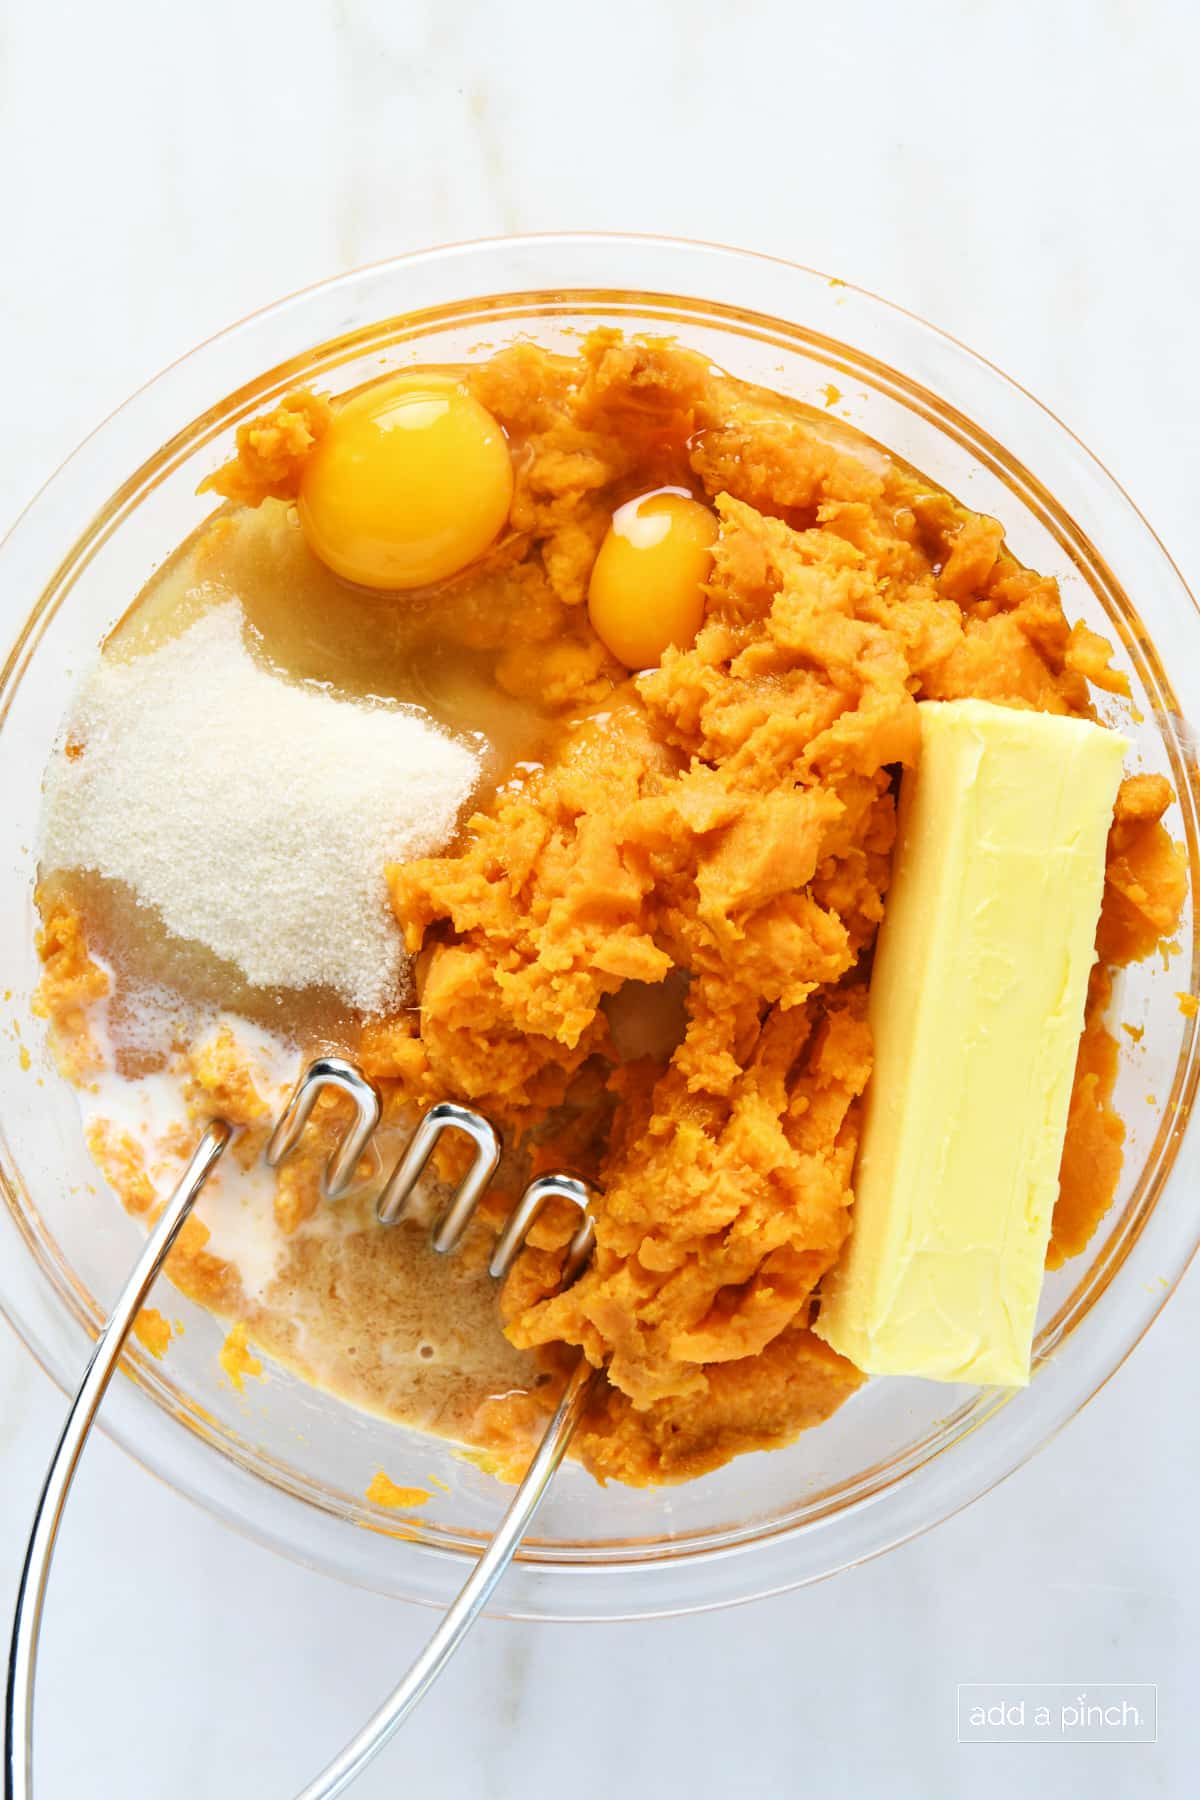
(976, 1006)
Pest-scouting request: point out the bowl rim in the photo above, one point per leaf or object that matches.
(490, 242)
(148, 1379)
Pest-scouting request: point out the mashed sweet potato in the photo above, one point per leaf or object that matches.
(718, 832)
(728, 820)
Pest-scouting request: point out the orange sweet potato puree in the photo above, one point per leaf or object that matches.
(716, 832)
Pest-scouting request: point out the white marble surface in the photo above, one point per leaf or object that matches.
(1022, 175)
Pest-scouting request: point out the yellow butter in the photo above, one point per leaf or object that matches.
(976, 1005)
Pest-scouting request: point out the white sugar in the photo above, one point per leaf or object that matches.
(257, 816)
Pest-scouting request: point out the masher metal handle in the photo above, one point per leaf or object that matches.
(39, 1553)
(473, 1596)
(480, 1583)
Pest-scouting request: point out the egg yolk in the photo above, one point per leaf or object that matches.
(411, 482)
(647, 583)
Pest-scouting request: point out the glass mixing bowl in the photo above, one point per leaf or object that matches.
(289, 1465)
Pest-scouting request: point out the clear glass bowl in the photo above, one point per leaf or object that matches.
(289, 1465)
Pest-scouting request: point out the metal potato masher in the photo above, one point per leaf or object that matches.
(448, 1229)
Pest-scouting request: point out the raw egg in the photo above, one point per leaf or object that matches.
(410, 483)
(647, 583)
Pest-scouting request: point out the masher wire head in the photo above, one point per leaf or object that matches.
(398, 1190)
(536, 1197)
(451, 1224)
(342, 1076)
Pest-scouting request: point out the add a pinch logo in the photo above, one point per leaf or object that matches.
(1057, 1712)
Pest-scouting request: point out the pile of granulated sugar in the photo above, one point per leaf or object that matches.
(257, 816)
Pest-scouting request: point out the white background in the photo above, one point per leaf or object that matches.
(1022, 174)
